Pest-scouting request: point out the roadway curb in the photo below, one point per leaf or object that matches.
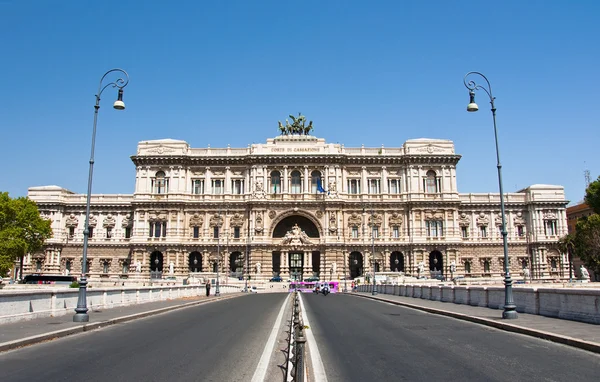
(565, 340)
(101, 324)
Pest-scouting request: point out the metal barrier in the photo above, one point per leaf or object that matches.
(296, 349)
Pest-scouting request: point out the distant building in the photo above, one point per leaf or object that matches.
(301, 207)
(574, 213)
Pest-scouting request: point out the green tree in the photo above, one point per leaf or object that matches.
(587, 241)
(566, 244)
(592, 195)
(22, 230)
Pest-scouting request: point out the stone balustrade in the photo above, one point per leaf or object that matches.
(16, 305)
(567, 303)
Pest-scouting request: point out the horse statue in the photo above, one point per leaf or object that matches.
(282, 128)
(308, 128)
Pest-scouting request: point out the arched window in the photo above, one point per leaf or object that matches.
(275, 182)
(431, 182)
(160, 184)
(296, 182)
(486, 266)
(315, 178)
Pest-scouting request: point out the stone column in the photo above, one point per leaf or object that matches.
(284, 183)
(306, 180)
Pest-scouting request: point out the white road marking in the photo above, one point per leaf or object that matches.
(263, 364)
(315, 356)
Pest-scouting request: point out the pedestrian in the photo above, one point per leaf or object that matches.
(208, 288)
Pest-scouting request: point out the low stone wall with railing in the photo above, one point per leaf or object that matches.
(575, 304)
(17, 305)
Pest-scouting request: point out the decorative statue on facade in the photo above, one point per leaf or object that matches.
(258, 268)
(138, 266)
(171, 267)
(298, 126)
(526, 273)
(584, 275)
(295, 236)
(259, 190)
(421, 269)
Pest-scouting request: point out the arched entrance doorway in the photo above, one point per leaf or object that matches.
(236, 264)
(396, 262)
(355, 264)
(195, 262)
(296, 231)
(436, 264)
(156, 265)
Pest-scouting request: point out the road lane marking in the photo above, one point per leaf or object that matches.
(315, 356)
(261, 369)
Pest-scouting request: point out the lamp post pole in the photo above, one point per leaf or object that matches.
(217, 289)
(510, 309)
(373, 252)
(81, 310)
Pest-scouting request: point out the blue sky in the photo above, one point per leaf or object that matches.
(366, 72)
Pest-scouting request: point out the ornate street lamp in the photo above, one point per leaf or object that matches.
(81, 310)
(510, 309)
(373, 252)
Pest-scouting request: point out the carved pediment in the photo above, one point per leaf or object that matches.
(395, 219)
(295, 236)
(126, 221)
(519, 220)
(434, 215)
(355, 220)
(236, 220)
(157, 215)
(196, 220)
(482, 219)
(549, 216)
(72, 221)
(109, 221)
(216, 220)
(93, 221)
(464, 220)
(375, 219)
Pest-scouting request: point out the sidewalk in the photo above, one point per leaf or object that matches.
(22, 333)
(572, 333)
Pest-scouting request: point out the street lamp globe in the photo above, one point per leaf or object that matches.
(119, 104)
(472, 106)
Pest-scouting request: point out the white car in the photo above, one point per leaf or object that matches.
(252, 289)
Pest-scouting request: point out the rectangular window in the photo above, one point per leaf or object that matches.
(127, 232)
(237, 186)
(236, 232)
(160, 185)
(520, 231)
(197, 186)
(435, 228)
(375, 232)
(373, 186)
(90, 232)
(354, 186)
(355, 232)
(108, 232)
(483, 231)
(396, 232)
(158, 229)
(71, 232)
(217, 186)
(550, 228)
(394, 186)
(196, 232)
(215, 232)
(464, 231)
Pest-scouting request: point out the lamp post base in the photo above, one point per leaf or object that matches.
(81, 317)
(81, 310)
(510, 309)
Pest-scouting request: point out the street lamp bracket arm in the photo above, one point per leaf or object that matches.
(472, 85)
(118, 83)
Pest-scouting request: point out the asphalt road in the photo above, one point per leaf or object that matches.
(220, 341)
(365, 340)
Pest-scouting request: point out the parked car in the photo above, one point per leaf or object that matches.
(276, 279)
